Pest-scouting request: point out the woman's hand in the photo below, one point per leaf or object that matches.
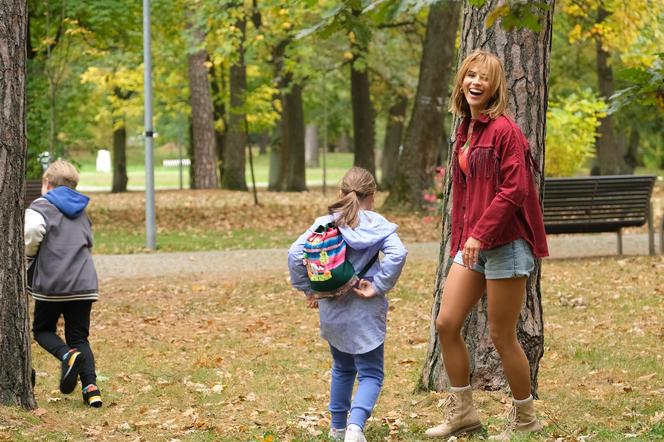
(471, 252)
(365, 289)
(311, 301)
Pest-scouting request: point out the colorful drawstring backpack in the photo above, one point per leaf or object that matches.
(330, 273)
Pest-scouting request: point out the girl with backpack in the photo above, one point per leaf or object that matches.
(323, 264)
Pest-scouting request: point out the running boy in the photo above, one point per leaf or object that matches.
(61, 276)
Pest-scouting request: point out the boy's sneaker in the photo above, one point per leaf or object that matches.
(92, 396)
(354, 434)
(337, 434)
(71, 364)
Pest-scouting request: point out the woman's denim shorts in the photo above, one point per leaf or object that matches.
(513, 260)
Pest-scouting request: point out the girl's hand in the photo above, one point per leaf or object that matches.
(365, 289)
(471, 252)
(311, 301)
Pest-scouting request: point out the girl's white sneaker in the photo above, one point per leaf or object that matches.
(354, 434)
(337, 434)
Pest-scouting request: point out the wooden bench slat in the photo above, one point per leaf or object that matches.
(596, 204)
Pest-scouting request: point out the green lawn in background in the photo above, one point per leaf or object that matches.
(169, 177)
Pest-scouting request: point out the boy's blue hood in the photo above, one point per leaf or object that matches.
(68, 201)
(373, 228)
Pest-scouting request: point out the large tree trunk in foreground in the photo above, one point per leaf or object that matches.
(15, 386)
(393, 138)
(205, 176)
(424, 134)
(526, 58)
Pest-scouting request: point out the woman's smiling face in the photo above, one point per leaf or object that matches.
(477, 89)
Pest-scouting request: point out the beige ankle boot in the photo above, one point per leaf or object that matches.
(461, 416)
(522, 418)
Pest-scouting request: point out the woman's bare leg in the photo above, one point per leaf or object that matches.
(463, 288)
(505, 299)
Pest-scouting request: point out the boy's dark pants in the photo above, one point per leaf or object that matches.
(77, 329)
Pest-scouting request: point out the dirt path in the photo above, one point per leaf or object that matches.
(244, 263)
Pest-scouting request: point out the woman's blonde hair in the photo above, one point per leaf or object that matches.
(61, 173)
(356, 185)
(497, 104)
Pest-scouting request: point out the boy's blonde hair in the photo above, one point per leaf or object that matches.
(61, 173)
(497, 105)
(356, 185)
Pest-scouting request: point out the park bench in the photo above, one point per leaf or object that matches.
(32, 191)
(599, 204)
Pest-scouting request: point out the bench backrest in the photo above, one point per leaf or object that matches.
(32, 191)
(596, 204)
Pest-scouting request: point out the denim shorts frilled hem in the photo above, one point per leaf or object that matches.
(512, 260)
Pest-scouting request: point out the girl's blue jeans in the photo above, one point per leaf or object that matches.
(368, 368)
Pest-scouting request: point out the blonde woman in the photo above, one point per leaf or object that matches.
(497, 231)
(354, 323)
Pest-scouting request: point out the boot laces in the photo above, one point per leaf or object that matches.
(511, 419)
(450, 405)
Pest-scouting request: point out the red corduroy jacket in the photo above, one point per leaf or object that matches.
(497, 202)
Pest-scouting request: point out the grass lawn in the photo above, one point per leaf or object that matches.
(169, 177)
(224, 220)
(204, 359)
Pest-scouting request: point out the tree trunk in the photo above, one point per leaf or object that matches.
(15, 386)
(424, 134)
(343, 144)
(120, 178)
(526, 58)
(236, 136)
(311, 157)
(218, 85)
(609, 152)
(363, 119)
(190, 154)
(205, 176)
(631, 155)
(294, 139)
(393, 139)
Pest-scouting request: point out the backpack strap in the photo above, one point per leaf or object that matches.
(368, 266)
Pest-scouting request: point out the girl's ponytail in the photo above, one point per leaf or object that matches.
(356, 185)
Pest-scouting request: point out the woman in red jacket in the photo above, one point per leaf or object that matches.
(497, 231)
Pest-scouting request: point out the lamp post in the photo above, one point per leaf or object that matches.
(150, 227)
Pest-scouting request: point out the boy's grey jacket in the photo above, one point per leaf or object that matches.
(352, 324)
(62, 269)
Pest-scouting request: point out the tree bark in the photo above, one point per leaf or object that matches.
(311, 157)
(425, 130)
(205, 176)
(236, 137)
(120, 178)
(631, 155)
(218, 85)
(15, 386)
(609, 152)
(525, 55)
(363, 118)
(294, 139)
(393, 139)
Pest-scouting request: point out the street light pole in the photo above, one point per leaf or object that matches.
(150, 224)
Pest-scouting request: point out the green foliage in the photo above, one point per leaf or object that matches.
(647, 86)
(572, 123)
(518, 14)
